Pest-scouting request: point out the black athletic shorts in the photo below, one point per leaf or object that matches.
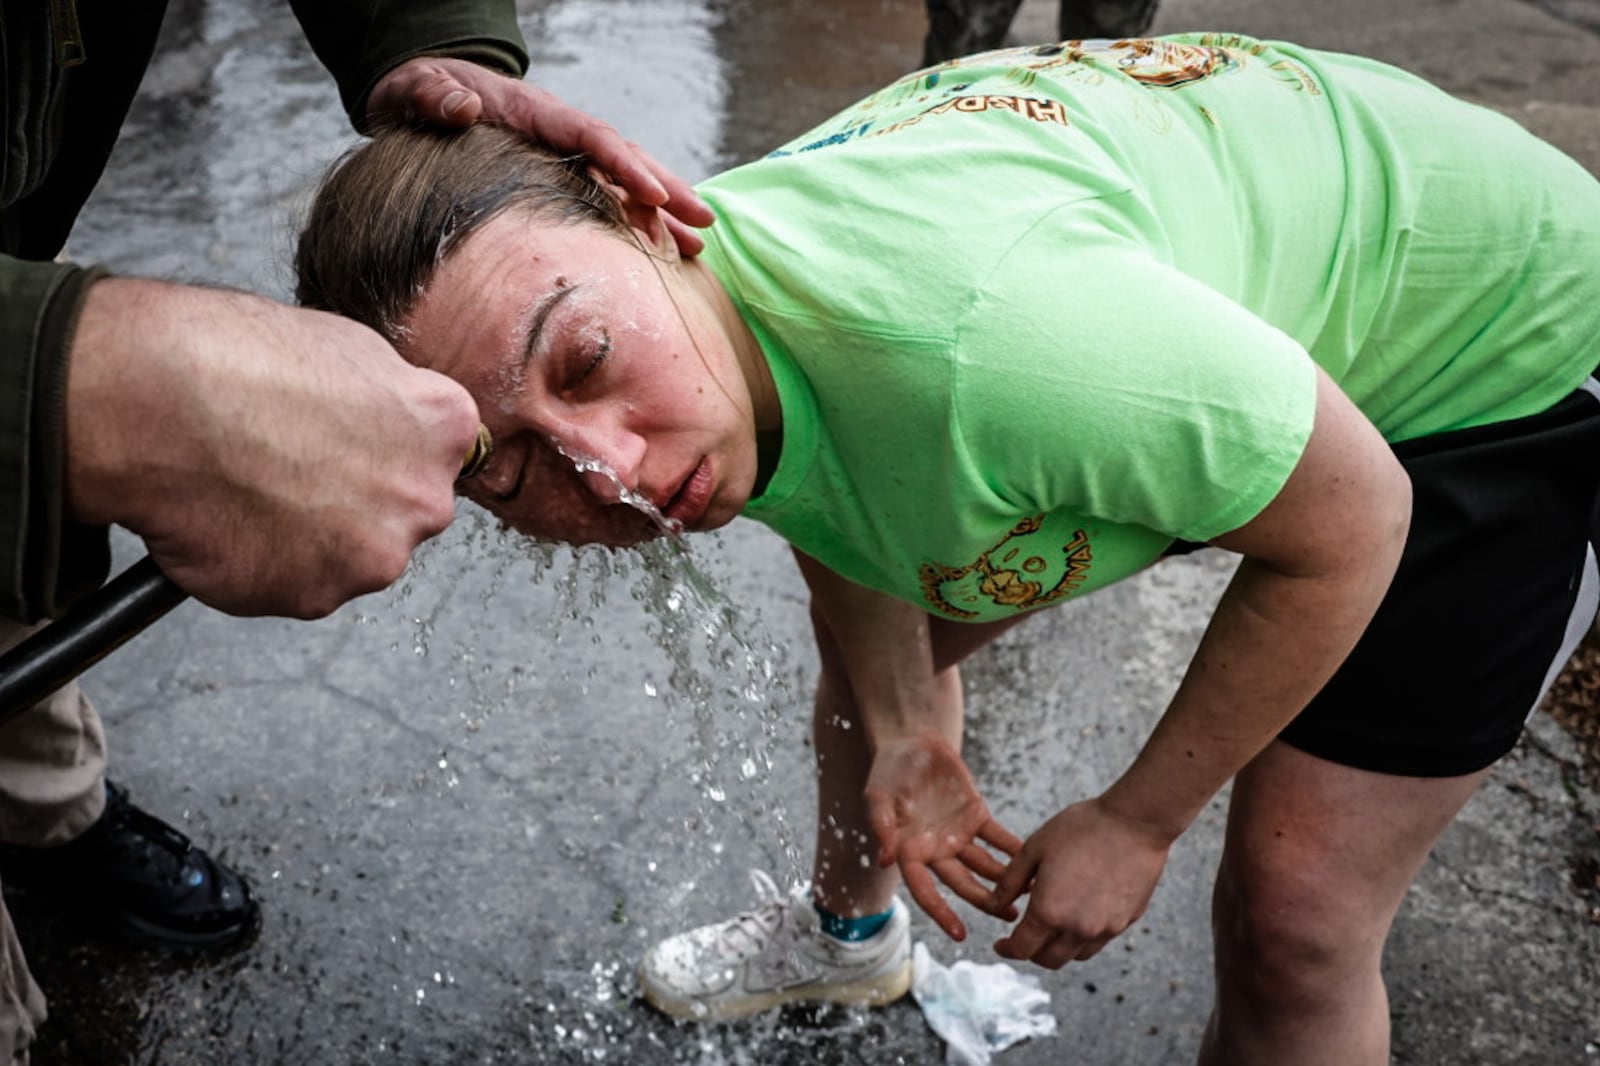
(1496, 586)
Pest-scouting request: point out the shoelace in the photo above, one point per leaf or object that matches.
(757, 927)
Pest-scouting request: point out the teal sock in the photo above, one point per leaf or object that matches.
(851, 930)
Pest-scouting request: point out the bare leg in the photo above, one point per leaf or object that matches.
(1317, 860)
(846, 879)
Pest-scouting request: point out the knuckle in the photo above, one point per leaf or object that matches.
(385, 565)
(314, 603)
(374, 566)
(435, 517)
(438, 80)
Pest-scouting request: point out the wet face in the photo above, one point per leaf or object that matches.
(581, 350)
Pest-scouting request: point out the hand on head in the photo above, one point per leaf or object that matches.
(455, 93)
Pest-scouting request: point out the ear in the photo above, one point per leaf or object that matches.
(645, 220)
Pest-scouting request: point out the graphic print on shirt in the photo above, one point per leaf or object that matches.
(1028, 568)
(1153, 63)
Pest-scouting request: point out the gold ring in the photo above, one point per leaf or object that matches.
(478, 457)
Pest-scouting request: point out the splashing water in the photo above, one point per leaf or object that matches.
(585, 464)
(717, 712)
(723, 691)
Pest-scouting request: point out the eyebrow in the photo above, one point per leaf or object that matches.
(540, 314)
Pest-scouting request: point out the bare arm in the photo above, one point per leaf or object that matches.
(885, 646)
(924, 807)
(275, 460)
(1318, 561)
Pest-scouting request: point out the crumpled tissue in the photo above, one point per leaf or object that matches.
(978, 1008)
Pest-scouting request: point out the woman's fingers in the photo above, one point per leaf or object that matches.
(1029, 938)
(1016, 878)
(1048, 948)
(925, 891)
(997, 835)
(983, 863)
(957, 877)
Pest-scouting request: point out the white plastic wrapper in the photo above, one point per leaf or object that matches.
(978, 1009)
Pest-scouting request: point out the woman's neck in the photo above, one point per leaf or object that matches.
(725, 317)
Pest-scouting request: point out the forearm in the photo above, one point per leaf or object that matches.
(1318, 561)
(883, 649)
(135, 367)
(1271, 645)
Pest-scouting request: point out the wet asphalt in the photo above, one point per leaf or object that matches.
(469, 803)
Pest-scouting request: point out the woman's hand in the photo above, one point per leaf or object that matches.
(929, 817)
(457, 92)
(1091, 874)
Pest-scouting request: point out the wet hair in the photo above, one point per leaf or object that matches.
(388, 213)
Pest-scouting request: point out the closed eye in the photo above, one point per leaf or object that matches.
(601, 353)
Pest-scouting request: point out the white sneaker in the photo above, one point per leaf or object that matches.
(773, 955)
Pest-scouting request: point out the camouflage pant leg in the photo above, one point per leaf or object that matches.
(1105, 18)
(962, 27)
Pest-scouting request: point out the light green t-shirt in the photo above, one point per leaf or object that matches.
(1034, 314)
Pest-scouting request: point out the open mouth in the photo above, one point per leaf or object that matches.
(689, 503)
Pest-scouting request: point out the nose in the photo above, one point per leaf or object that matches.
(607, 461)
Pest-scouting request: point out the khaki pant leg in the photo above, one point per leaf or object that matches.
(52, 787)
(22, 1008)
(52, 764)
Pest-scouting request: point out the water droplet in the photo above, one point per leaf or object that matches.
(589, 465)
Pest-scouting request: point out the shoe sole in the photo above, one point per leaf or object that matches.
(874, 992)
(160, 936)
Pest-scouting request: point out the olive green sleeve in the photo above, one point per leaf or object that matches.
(360, 41)
(48, 562)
